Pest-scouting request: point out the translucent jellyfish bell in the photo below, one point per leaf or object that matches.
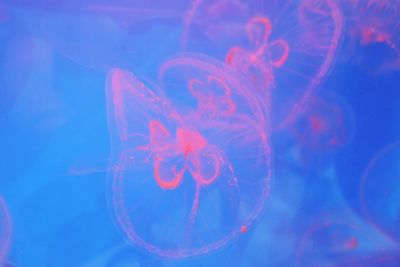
(186, 177)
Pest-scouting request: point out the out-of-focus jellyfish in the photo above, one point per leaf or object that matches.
(33, 60)
(285, 48)
(383, 258)
(326, 125)
(326, 243)
(190, 158)
(380, 191)
(4, 13)
(102, 35)
(5, 231)
(372, 23)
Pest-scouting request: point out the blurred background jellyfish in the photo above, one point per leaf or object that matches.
(5, 231)
(379, 193)
(373, 26)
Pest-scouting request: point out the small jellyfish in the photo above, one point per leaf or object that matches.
(328, 242)
(5, 231)
(374, 23)
(379, 191)
(326, 125)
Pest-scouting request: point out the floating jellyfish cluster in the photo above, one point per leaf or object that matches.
(192, 164)
(226, 122)
(196, 140)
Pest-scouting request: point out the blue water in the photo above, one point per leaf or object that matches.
(334, 196)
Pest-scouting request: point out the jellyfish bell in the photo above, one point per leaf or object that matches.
(181, 183)
(327, 123)
(329, 241)
(373, 25)
(5, 231)
(379, 191)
